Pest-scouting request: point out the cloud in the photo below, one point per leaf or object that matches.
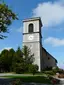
(50, 13)
(8, 48)
(54, 41)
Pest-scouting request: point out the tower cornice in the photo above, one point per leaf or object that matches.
(33, 19)
(33, 33)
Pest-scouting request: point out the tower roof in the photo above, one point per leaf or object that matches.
(33, 19)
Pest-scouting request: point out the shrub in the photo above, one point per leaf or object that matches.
(33, 68)
(49, 72)
(47, 69)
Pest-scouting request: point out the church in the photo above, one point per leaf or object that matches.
(32, 38)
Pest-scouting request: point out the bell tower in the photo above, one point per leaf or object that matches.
(33, 39)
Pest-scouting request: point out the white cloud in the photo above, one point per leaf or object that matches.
(54, 41)
(50, 13)
(8, 48)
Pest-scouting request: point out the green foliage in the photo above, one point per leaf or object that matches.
(28, 57)
(22, 60)
(18, 61)
(47, 69)
(55, 70)
(6, 17)
(49, 72)
(33, 68)
(17, 64)
(6, 59)
(11, 55)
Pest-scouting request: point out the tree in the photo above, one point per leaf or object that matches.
(22, 60)
(11, 55)
(19, 52)
(33, 68)
(6, 17)
(28, 57)
(4, 61)
(16, 61)
(17, 65)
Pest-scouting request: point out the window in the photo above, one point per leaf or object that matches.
(48, 58)
(30, 28)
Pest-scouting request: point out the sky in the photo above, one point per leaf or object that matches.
(52, 16)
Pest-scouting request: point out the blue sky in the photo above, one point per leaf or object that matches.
(52, 16)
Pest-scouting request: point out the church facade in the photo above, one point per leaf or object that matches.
(32, 38)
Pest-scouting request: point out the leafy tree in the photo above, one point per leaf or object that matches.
(17, 61)
(22, 60)
(4, 60)
(11, 55)
(6, 17)
(19, 52)
(28, 57)
(33, 68)
(17, 65)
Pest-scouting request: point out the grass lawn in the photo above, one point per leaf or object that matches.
(37, 79)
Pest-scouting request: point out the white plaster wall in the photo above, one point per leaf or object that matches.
(35, 23)
(35, 48)
(35, 37)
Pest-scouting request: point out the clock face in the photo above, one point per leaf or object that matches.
(31, 37)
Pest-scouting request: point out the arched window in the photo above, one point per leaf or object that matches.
(30, 28)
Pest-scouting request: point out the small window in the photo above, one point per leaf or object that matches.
(30, 28)
(48, 58)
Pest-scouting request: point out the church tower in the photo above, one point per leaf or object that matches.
(33, 39)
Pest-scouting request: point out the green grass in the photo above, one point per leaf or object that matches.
(37, 79)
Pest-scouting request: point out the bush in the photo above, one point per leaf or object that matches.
(58, 70)
(47, 69)
(49, 72)
(33, 68)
